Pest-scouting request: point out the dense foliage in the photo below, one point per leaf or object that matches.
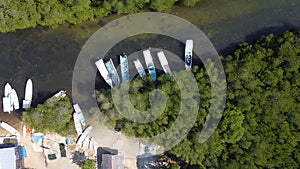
(55, 115)
(88, 164)
(260, 126)
(21, 14)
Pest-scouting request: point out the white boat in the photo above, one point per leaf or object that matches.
(7, 90)
(84, 135)
(77, 124)
(188, 54)
(104, 73)
(140, 69)
(150, 64)
(79, 114)
(10, 129)
(6, 104)
(95, 148)
(164, 62)
(113, 72)
(7, 99)
(28, 94)
(86, 143)
(61, 94)
(15, 99)
(24, 131)
(124, 68)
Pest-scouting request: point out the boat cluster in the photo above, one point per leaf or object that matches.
(11, 100)
(84, 140)
(82, 129)
(110, 75)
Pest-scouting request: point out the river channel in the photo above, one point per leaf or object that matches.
(48, 55)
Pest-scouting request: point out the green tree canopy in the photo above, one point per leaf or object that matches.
(55, 115)
(260, 125)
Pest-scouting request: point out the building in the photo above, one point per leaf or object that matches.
(112, 161)
(109, 159)
(11, 157)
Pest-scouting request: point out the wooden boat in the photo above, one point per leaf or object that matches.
(84, 135)
(79, 114)
(77, 124)
(28, 94)
(164, 62)
(150, 64)
(15, 99)
(139, 67)
(104, 72)
(113, 72)
(124, 68)
(188, 54)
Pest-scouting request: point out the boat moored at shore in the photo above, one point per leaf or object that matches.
(84, 136)
(7, 99)
(77, 124)
(15, 99)
(80, 115)
(150, 64)
(188, 54)
(113, 72)
(139, 67)
(124, 68)
(10, 129)
(104, 72)
(164, 62)
(28, 94)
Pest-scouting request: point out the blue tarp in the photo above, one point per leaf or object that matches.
(37, 138)
(22, 152)
(25, 152)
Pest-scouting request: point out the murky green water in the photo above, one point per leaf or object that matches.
(48, 56)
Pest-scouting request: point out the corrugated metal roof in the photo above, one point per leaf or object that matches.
(112, 161)
(8, 158)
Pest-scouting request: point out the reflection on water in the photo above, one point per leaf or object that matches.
(48, 56)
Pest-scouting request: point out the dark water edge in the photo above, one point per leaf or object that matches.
(48, 56)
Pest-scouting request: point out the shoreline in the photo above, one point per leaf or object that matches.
(103, 137)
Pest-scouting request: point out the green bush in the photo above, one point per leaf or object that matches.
(55, 115)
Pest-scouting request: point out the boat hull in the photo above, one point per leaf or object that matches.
(80, 115)
(28, 94)
(139, 67)
(188, 54)
(77, 124)
(164, 62)
(150, 64)
(10, 129)
(104, 72)
(113, 72)
(84, 136)
(8, 99)
(15, 99)
(124, 68)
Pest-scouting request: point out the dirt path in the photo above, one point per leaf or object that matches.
(105, 137)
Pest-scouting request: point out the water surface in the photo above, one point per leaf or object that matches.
(48, 56)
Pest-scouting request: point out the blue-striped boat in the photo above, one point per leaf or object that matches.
(150, 64)
(124, 68)
(113, 72)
